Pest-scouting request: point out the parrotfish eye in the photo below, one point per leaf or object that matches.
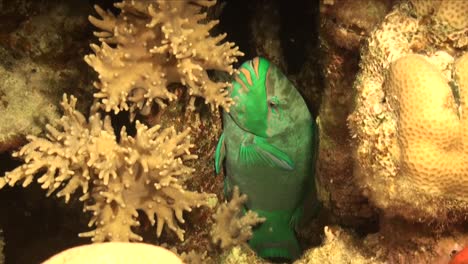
(273, 102)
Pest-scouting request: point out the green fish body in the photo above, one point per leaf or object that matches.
(269, 144)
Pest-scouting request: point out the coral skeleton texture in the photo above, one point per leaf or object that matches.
(231, 229)
(116, 175)
(152, 44)
(409, 122)
(339, 246)
(432, 132)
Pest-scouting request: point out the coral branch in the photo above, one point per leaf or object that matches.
(162, 42)
(230, 229)
(143, 172)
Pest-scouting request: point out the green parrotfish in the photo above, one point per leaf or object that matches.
(269, 144)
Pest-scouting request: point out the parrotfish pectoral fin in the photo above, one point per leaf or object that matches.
(260, 151)
(220, 154)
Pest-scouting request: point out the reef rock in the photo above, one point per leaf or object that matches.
(344, 27)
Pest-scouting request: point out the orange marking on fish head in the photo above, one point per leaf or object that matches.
(255, 63)
(238, 80)
(247, 75)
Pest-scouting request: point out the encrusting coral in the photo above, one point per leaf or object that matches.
(432, 132)
(339, 246)
(193, 257)
(348, 23)
(409, 125)
(231, 229)
(344, 27)
(162, 43)
(117, 175)
(31, 86)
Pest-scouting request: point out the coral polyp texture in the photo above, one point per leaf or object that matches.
(449, 20)
(409, 124)
(152, 44)
(119, 177)
(344, 27)
(432, 133)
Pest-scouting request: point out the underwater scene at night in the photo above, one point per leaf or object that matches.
(233, 131)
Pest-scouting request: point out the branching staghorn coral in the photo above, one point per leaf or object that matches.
(231, 229)
(117, 177)
(154, 43)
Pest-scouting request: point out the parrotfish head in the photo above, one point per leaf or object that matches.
(262, 96)
(248, 91)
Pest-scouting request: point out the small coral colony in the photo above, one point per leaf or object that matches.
(162, 42)
(406, 128)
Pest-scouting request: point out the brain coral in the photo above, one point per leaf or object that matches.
(424, 7)
(408, 125)
(430, 133)
(453, 13)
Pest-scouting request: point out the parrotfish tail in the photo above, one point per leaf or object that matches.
(275, 238)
